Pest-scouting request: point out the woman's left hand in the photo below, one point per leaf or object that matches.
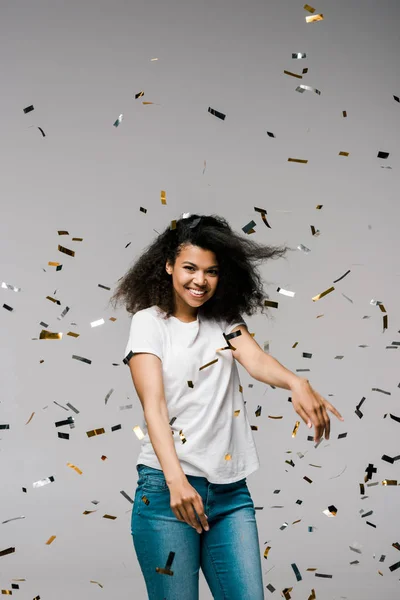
(312, 408)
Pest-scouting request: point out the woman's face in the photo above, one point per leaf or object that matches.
(195, 269)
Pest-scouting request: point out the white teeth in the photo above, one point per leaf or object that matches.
(196, 293)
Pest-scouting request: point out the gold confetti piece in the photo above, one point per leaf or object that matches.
(389, 482)
(30, 419)
(299, 55)
(314, 18)
(307, 479)
(271, 417)
(50, 540)
(344, 153)
(139, 95)
(163, 197)
(94, 432)
(73, 334)
(109, 517)
(266, 551)
(270, 303)
(319, 296)
(293, 74)
(118, 121)
(154, 59)
(66, 251)
(99, 584)
(208, 364)
(74, 468)
(228, 457)
(145, 103)
(309, 8)
(190, 384)
(344, 113)
(53, 264)
(89, 512)
(298, 160)
(296, 428)
(305, 71)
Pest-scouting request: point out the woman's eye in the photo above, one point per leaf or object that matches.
(213, 271)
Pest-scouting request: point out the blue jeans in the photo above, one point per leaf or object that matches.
(228, 554)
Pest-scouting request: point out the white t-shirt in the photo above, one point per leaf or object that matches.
(216, 443)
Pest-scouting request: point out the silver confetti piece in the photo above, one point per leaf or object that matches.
(303, 88)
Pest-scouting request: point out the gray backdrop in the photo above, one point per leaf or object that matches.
(80, 64)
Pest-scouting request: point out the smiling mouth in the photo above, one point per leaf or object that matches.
(193, 293)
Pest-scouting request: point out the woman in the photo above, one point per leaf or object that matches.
(186, 294)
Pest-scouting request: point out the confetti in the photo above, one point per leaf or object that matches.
(216, 113)
(163, 197)
(344, 153)
(95, 432)
(325, 293)
(331, 511)
(298, 160)
(299, 55)
(342, 277)
(7, 551)
(309, 8)
(383, 154)
(293, 74)
(118, 121)
(139, 95)
(396, 98)
(271, 134)
(13, 519)
(314, 18)
(303, 88)
(344, 113)
(76, 469)
(286, 292)
(51, 540)
(28, 109)
(43, 482)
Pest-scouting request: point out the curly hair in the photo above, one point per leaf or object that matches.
(239, 290)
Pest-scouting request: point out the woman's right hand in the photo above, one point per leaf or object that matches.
(183, 499)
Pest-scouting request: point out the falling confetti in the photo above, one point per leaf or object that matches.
(302, 88)
(216, 113)
(314, 18)
(118, 121)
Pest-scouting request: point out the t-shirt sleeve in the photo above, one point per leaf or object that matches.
(144, 336)
(229, 325)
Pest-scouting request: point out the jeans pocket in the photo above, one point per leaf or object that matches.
(154, 482)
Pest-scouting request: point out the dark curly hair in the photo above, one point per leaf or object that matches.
(239, 290)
